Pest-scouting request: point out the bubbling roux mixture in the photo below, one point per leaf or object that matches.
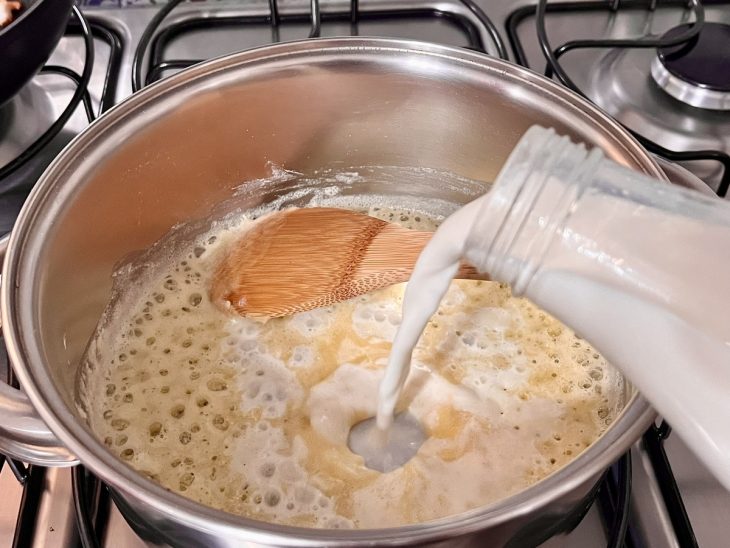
(253, 418)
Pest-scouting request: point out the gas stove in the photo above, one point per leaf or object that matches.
(635, 59)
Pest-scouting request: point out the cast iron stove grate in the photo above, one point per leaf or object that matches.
(475, 27)
(88, 29)
(553, 54)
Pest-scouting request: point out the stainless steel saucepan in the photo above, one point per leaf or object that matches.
(170, 153)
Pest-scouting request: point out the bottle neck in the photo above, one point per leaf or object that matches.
(530, 202)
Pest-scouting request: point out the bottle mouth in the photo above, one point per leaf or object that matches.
(546, 169)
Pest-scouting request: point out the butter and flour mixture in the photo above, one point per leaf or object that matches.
(253, 418)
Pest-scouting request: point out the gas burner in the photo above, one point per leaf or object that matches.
(698, 72)
(619, 82)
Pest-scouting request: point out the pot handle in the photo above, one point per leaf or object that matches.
(23, 434)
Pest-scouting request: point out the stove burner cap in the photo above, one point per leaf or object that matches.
(696, 72)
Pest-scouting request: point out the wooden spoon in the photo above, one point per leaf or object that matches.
(300, 259)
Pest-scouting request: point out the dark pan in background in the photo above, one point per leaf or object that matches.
(27, 42)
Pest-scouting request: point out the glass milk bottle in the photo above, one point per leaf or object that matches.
(638, 267)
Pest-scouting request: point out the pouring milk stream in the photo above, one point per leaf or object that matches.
(638, 267)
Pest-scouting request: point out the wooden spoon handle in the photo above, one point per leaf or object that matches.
(395, 250)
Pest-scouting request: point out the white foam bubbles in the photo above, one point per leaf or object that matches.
(336, 403)
(267, 384)
(312, 322)
(278, 486)
(378, 318)
(302, 356)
